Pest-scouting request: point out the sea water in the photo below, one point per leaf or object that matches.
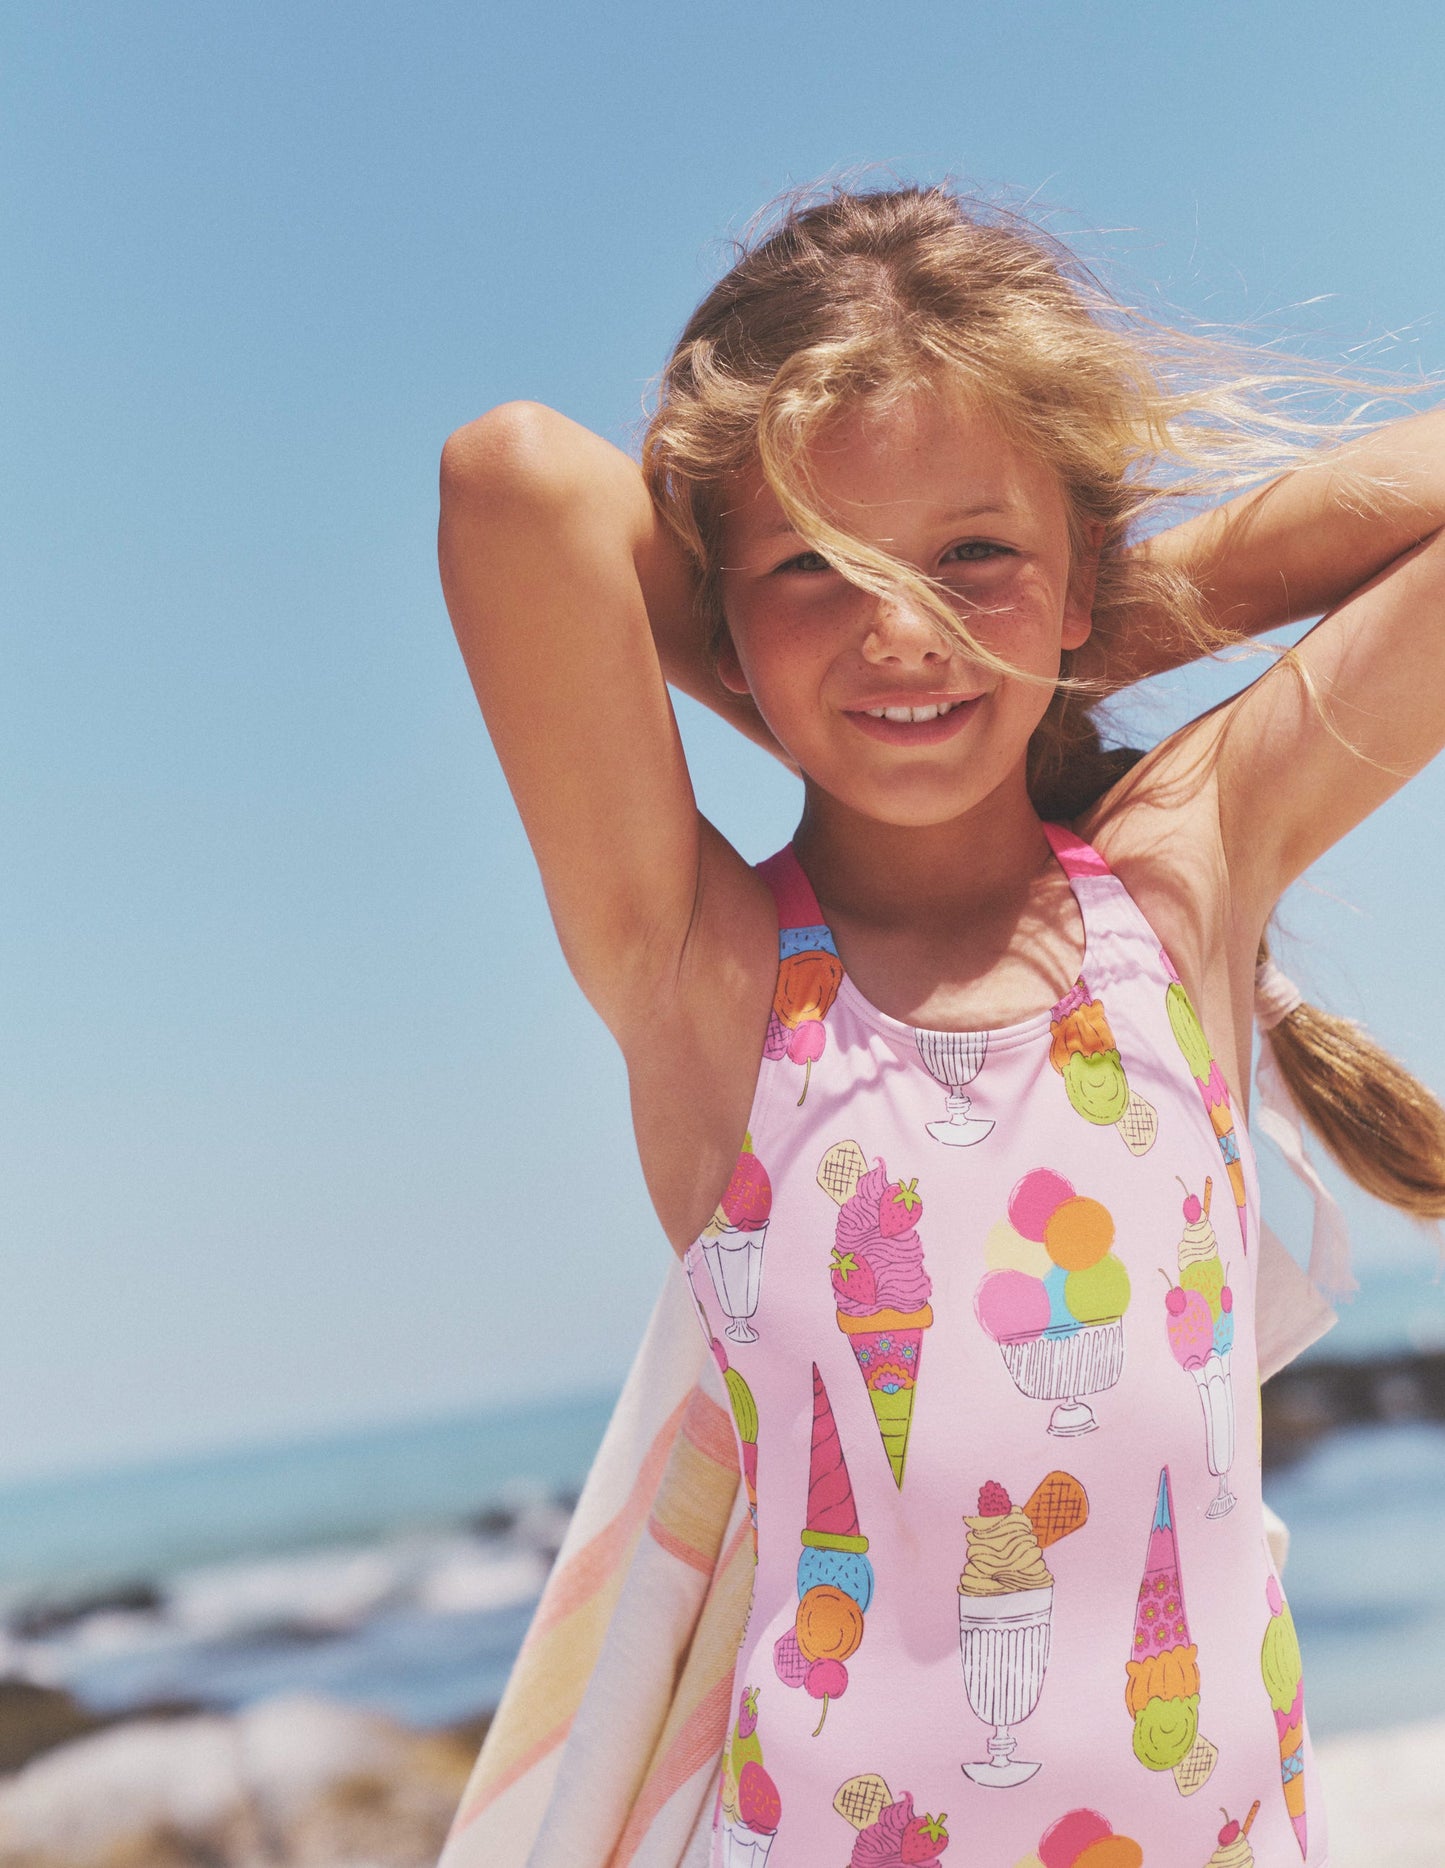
(398, 1567)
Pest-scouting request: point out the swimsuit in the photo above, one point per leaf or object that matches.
(984, 1305)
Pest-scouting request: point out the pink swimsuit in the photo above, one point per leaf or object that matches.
(984, 1302)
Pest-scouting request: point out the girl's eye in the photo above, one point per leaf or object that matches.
(806, 561)
(978, 551)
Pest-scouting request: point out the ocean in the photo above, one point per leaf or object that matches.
(398, 1567)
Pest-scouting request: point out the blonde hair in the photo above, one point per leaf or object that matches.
(840, 297)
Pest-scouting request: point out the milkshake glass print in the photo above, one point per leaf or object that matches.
(732, 1243)
(954, 1058)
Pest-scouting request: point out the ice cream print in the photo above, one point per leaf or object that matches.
(1189, 1036)
(1005, 1609)
(1162, 1690)
(954, 1059)
(1199, 1316)
(835, 1578)
(1234, 1850)
(1083, 1049)
(745, 1414)
(1283, 1670)
(1083, 1838)
(1054, 1297)
(809, 975)
(732, 1243)
(749, 1804)
(880, 1287)
(889, 1834)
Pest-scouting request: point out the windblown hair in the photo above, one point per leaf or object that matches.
(844, 298)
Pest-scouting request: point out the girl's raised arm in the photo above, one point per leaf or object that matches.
(556, 569)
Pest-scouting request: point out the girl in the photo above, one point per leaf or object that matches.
(930, 1101)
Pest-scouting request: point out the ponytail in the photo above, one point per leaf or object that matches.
(1380, 1123)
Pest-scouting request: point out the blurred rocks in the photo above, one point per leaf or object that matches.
(1309, 1399)
(296, 1781)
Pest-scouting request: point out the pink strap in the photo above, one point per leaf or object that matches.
(1076, 858)
(792, 891)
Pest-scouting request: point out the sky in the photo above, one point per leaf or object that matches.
(290, 1053)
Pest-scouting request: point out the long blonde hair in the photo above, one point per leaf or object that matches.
(841, 297)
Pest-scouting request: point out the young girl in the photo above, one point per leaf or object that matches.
(942, 1106)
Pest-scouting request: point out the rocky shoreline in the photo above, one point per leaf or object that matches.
(1315, 1397)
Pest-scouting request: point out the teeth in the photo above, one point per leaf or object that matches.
(911, 714)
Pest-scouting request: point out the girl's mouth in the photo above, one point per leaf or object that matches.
(913, 732)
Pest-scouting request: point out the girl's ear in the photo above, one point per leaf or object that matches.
(729, 668)
(1079, 604)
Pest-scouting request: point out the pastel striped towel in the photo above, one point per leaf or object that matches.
(606, 1749)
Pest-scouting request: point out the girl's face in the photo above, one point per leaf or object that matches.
(936, 484)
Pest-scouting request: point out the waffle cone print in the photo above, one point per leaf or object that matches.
(1084, 1051)
(1162, 1688)
(1005, 1611)
(1283, 1671)
(1054, 1297)
(889, 1832)
(881, 1290)
(1083, 1838)
(1199, 1318)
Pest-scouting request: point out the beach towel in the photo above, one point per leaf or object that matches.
(606, 1749)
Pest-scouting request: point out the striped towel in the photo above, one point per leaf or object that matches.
(606, 1750)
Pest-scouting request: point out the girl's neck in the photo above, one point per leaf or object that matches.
(897, 877)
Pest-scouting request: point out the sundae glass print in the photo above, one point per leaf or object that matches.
(1234, 1850)
(880, 1287)
(1283, 1671)
(835, 1578)
(1189, 1036)
(1005, 1608)
(1083, 1049)
(732, 1243)
(1200, 1320)
(954, 1059)
(1054, 1297)
(1083, 1838)
(750, 1806)
(1162, 1689)
(888, 1831)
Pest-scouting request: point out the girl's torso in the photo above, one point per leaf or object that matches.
(985, 1305)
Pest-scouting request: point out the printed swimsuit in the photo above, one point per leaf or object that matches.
(984, 1303)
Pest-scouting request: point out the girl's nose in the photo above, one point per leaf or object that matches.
(899, 627)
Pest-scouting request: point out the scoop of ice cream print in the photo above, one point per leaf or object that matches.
(890, 1834)
(1209, 1079)
(835, 1578)
(1054, 1297)
(809, 975)
(1283, 1671)
(1005, 1607)
(1083, 1838)
(1234, 1850)
(1162, 1685)
(732, 1243)
(1199, 1319)
(880, 1288)
(745, 1417)
(1084, 1051)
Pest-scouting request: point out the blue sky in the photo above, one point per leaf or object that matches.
(290, 1051)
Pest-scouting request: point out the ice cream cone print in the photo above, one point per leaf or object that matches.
(1199, 1317)
(1189, 1036)
(835, 1578)
(880, 1288)
(889, 1834)
(1234, 1850)
(1083, 1838)
(1162, 1689)
(1283, 1671)
(1084, 1051)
